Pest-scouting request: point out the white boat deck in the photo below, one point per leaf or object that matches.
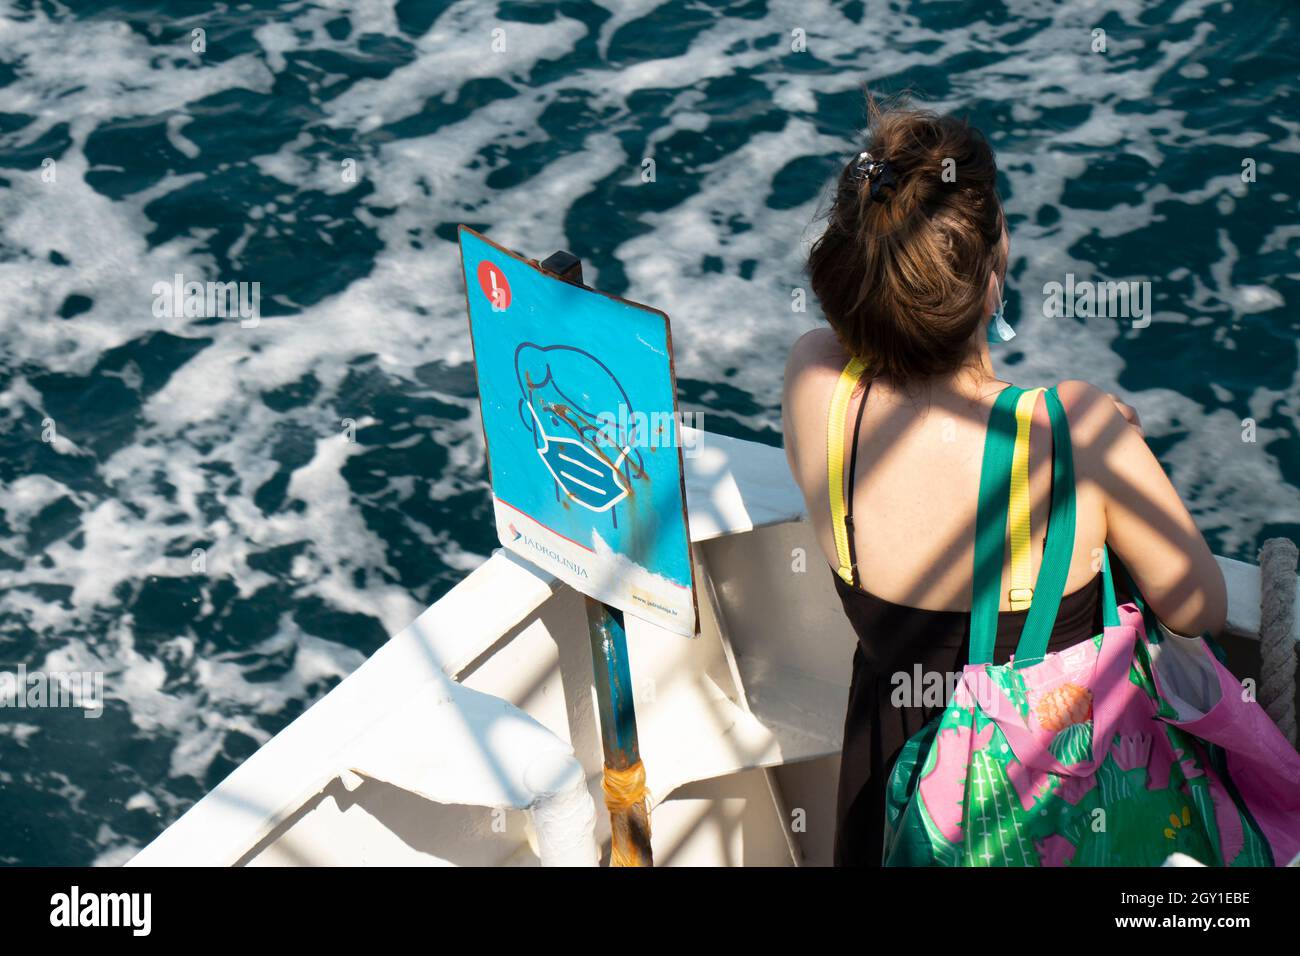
(419, 756)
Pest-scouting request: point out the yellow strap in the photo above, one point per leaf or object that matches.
(1022, 572)
(835, 422)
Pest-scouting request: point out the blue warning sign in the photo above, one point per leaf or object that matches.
(579, 411)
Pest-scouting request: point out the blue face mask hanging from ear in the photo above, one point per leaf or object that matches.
(999, 329)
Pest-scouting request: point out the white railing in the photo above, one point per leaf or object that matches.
(401, 717)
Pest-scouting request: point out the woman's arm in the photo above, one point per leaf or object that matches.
(1147, 524)
(813, 356)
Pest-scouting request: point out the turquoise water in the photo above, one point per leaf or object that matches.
(172, 434)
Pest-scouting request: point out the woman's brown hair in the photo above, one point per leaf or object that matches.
(902, 276)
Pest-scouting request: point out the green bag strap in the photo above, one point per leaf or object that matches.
(1109, 604)
(1060, 549)
(1049, 588)
(991, 525)
(990, 539)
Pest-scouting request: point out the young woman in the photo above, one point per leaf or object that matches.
(910, 273)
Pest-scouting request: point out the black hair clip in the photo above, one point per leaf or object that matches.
(880, 173)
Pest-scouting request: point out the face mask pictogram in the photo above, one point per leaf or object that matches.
(586, 476)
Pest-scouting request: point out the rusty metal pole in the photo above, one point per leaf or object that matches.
(624, 785)
(624, 779)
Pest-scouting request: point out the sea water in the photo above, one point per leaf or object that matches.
(223, 514)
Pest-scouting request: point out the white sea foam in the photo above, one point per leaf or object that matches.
(207, 441)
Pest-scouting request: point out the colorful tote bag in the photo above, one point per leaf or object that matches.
(1117, 751)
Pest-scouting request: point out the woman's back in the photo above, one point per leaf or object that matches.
(917, 478)
(918, 461)
(910, 273)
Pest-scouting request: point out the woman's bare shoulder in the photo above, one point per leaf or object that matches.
(1093, 416)
(1106, 447)
(811, 371)
(814, 357)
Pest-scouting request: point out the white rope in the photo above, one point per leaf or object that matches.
(1277, 644)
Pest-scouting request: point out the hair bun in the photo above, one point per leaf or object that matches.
(914, 231)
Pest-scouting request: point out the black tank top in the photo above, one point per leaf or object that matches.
(884, 711)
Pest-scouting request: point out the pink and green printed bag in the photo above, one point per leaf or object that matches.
(1118, 751)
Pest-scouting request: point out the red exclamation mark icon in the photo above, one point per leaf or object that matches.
(494, 285)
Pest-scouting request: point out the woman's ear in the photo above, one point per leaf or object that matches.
(995, 293)
(992, 294)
